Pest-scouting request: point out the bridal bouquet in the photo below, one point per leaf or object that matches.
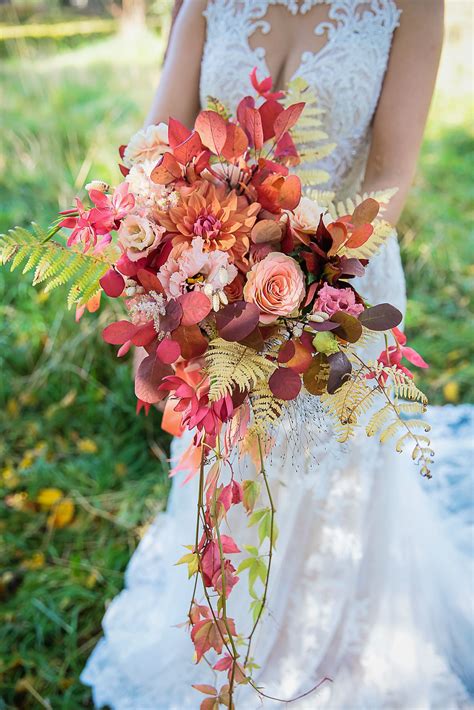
(240, 289)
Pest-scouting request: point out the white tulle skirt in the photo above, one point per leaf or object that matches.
(372, 583)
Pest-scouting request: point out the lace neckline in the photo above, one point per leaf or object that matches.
(342, 14)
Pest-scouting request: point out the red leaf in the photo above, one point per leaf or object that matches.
(118, 333)
(191, 341)
(359, 236)
(124, 170)
(237, 320)
(113, 283)
(196, 306)
(212, 129)
(149, 281)
(144, 335)
(253, 127)
(224, 663)
(287, 119)
(286, 351)
(177, 133)
(286, 149)
(228, 544)
(236, 142)
(414, 357)
(189, 149)
(246, 102)
(206, 689)
(168, 351)
(381, 317)
(149, 377)
(166, 171)
(285, 383)
(269, 111)
(121, 151)
(310, 294)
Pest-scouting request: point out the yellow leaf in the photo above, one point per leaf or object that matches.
(9, 477)
(120, 469)
(26, 461)
(451, 391)
(13, 408)
(47, 497)
(87, 446)
(37, 561)
(62, 514)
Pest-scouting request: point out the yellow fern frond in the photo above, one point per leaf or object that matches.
(383, 231)
(266, 408)
(55, 263)
(379, 419)
(231, 365)
(348, 404)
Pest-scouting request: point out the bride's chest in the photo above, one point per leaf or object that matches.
(340, 47)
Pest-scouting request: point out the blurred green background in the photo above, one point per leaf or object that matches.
(80, 474)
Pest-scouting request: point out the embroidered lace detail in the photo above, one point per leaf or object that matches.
(347, 72)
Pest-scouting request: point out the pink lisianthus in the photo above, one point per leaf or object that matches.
(331, 299)
(276, 286)
(138, 236)
(189, 266)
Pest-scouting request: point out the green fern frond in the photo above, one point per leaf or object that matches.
(55, 263)
(231, 365)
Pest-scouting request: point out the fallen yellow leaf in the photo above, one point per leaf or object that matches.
(62, 514)
(37, 561)
(47, 497)
(451, 391)
(87, 446)
(9, 477)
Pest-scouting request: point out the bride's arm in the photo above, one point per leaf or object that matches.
(178, 91)
(405, 99)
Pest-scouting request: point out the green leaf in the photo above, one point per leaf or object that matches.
(257, 515)
(251, 491)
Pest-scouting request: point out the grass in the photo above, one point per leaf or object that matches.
(67, 418)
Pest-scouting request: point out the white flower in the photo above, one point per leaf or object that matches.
(138, 236)
(193, 268)
(305, 218)
(148, 144)
(147, 193)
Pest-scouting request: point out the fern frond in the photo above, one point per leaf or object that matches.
(378, 420)
(266, 408)
(309, 133)
(348, 404)
(231, 365)
(55, 263)
(401, 386)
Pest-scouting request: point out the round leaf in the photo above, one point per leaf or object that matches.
(339, 370)
(196, 306)
(149, 377)
(112, 283)
(381, 317)
(285, 383)
(350, 327)
(118, 333)
(168, 351)
(237, 320)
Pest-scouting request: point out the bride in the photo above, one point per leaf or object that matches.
(370, 585)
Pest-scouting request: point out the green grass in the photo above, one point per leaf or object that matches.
(67, 416)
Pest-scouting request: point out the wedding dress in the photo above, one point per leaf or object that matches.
(371, 581)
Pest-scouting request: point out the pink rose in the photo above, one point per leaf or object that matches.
(332, 299)
(276, 286)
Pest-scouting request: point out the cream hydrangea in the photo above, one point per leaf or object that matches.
(147, 193)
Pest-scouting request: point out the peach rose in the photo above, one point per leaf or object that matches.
(276, 286)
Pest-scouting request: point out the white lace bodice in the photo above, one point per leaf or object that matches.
(346, 73)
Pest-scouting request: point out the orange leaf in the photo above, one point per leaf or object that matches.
(212, 129)
(367, 211)
(166, 171)
(206, 689)
(236, 142)
(359, 236)
(287, 119)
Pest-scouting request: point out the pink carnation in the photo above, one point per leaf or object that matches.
(332, 299)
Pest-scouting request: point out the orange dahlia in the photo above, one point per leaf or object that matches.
(223, 220)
